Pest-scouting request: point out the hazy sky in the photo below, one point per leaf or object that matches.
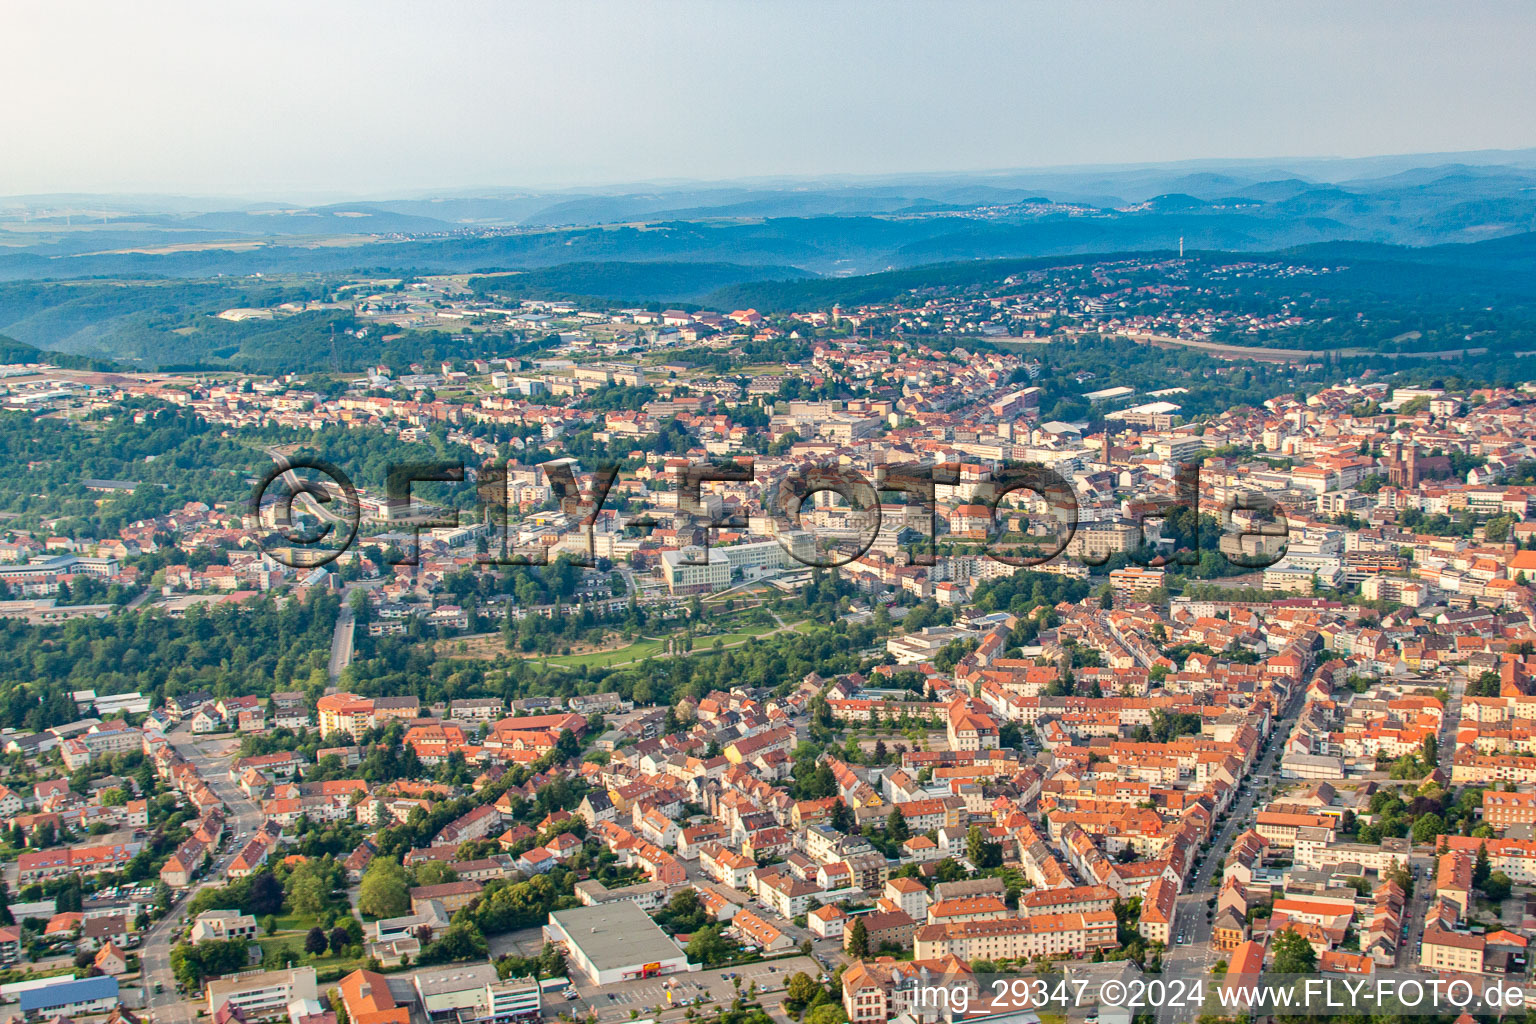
(279, 98)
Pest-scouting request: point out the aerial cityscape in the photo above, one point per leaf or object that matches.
(755, 590)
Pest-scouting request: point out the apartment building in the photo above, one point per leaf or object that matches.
(1018, 938)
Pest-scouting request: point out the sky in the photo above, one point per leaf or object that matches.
(383, 98)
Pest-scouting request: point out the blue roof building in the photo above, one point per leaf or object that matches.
(86, 995)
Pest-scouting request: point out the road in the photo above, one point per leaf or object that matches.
(242, 816)
(1422, 863)
(341, 640)
(307, 500)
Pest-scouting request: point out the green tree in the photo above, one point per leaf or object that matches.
(842, 818)
(306, 893)
(384, 890)
(981, 851)
(1497, 886)
(566, 747)
(896, 827)
(1428, 827)
(1293, 954)
(827, 1013)
(434, 872)
(858, 939)
(801, 989)
(707, 946)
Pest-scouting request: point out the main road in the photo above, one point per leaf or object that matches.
(242, 818)
(1194, 958)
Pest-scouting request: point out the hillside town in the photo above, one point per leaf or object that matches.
(1280, 711)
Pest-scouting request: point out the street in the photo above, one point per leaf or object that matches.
(243, 816)
(1195, 958)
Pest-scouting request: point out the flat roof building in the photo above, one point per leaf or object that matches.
(263, 993)
(615, 942)
(475, 994)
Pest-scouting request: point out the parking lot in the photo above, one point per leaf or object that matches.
(712, 987)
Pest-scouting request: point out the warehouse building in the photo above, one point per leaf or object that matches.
(70, 998)
(615, 942)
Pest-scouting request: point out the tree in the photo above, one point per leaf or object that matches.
(896, 827)
(459, 942)
(306, 893)
(1427, 828)
(706, 946)
(1293, 954)
(566, 746)
(858, 939)
(827, 1013)
(384, 889)
(802, 988)
(435, 872)
(68, 899)
(266, 894)
(981, 851)
(340, 938)
(842, 817)
(315, 942)
(551, 961)
(114, 797)
(1480, 866)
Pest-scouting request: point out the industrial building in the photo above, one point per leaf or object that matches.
(615, 942)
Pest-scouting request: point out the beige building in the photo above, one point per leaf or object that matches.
(1018, 937)
(222, 925)
(712, 571)
(263, 994)
(1452, 951)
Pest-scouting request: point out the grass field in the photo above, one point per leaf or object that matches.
(637, 651)
(642, 649)
(292, 929)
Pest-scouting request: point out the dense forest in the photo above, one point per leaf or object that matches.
(172, 324)
(254, 647)
(175, 457)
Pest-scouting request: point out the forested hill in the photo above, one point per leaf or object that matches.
(1503, 268)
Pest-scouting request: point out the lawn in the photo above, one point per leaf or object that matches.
(637, 651)
(642, 649)
(292, 930)
(271, 946)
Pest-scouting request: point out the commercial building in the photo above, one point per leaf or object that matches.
(474, 994)
(67, 998)
(614, 942)
(692, 570)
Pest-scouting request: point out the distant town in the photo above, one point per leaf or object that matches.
(681, 758)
